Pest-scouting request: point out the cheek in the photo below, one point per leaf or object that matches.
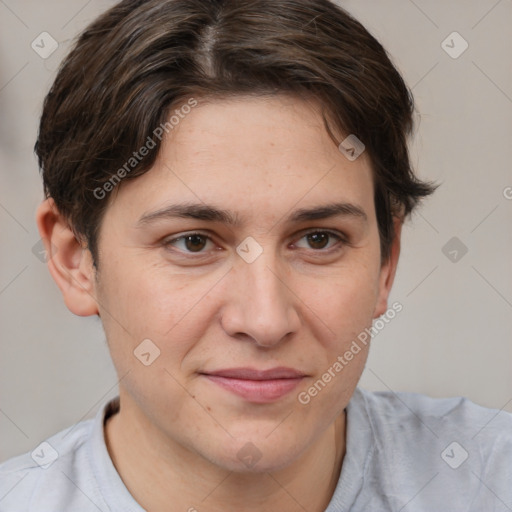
(170, 309)
(147, 316)
(345, 302)
(149, 300)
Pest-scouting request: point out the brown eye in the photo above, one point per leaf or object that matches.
(189, 243)
(195, 242)
(320, 240)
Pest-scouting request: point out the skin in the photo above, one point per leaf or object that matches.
(300, 304)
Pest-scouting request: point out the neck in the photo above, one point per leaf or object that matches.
(158, 471)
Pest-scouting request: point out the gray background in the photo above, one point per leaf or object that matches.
(453, 335)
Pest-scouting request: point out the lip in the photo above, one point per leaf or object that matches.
(259, 386)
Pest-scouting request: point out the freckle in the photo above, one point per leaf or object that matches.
(208, 408)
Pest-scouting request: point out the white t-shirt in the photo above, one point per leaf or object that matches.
(405, 452)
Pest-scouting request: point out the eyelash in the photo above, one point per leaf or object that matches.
(341, 238)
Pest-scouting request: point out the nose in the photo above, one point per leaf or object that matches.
(261, 304)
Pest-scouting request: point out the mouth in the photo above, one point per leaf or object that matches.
(258, 386)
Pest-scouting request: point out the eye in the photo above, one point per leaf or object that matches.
(318, 240)
(195, 243)
(190, 242)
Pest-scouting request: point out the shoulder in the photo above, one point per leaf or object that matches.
(37, 480)
(452, 446)
(417, 412)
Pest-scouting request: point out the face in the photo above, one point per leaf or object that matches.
(249, 297)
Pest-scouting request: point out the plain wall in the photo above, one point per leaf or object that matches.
(453, 336)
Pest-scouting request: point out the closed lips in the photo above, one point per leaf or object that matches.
(257, 386)
(252, 374)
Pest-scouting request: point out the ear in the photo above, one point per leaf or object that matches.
(388, 271)
(69, 261)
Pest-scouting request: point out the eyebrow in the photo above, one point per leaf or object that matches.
(201, 211)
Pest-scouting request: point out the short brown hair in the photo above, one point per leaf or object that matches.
(140, 59)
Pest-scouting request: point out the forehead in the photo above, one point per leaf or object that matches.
(256, 154)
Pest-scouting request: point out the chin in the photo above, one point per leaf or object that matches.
(259, 455)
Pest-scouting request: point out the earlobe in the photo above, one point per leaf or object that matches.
(69, 262)
(388, 271)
